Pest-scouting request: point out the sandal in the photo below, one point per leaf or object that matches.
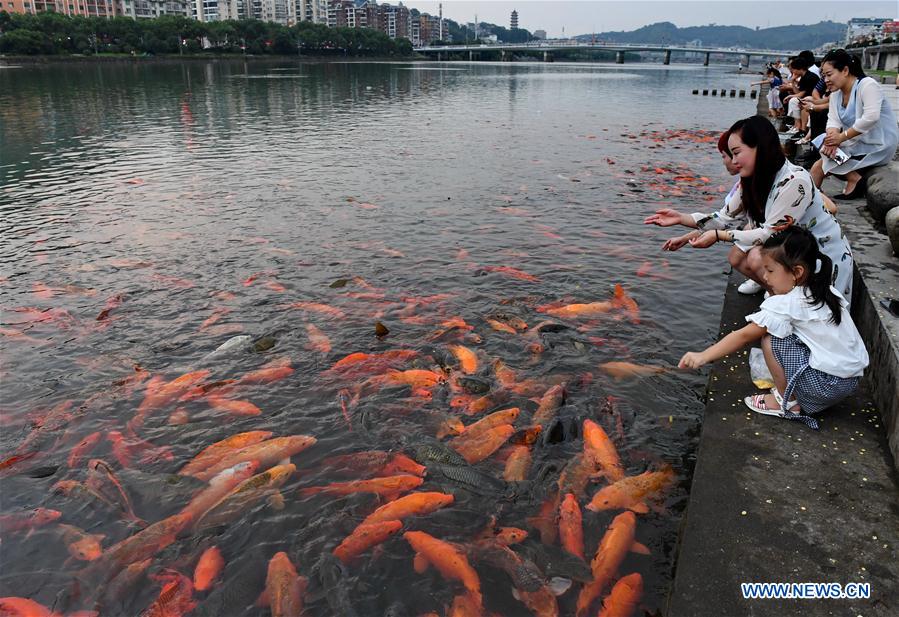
(791, 406)
(757, 403)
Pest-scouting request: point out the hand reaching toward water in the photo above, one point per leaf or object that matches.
(666, 217)
(672, 244)
(692, 359)
(704, 240)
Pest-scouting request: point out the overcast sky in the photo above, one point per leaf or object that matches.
(585, 16)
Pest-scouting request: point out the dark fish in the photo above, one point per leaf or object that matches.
(560, 430)
(264, 343)
(333, 577)
(474, 385)
(42, 472)
(435, 452)
(524, 573)
(468, 478)
(552, 328)
(554, 561)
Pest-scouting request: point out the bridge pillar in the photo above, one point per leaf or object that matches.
(619, 57)
(547, 57)
(744, 60)
(471, 55)
(706, 63)
(438, 56)
(668, 57)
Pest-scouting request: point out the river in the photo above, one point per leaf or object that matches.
(151, 212)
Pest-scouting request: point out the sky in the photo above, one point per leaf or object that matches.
(585, 16)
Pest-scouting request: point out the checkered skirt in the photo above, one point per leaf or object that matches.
(814, 389)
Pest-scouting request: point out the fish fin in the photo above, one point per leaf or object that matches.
(640, 549)
(640, 508)
(276, 501)
(558, 585)
(516, 595)
(262, 600)
(420, 563)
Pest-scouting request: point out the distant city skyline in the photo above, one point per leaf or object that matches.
(585, 16)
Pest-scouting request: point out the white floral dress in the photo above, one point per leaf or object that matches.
(793, 200)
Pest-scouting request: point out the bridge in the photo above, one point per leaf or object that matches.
(547, 47)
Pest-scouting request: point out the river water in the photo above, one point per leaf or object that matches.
(151, 212)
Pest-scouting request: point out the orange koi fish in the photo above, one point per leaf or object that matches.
(449, 561)
(176, 597)
(415, 378)
(360, 363)
(212, 454)
(414, 504)
(572, 311)
(317, 339)
(513, 272)
(237, 408)
(164, 394)
(625, 370)
(364, 537)
(500, 326)
(545, 521)
(82, 546)
(219, 486)
(571, 528)
(550, 403)
(142, 545)
(12, 606)
(614, 546)
(125, 449)
(271, 372)
(112, 303)
(402, 464)
(623, 301)
(103, 481)
(244, 495)
(624, 598)
(483, 444)
(632, 492)
(389, 487)
(83, 448)
(284, 588)
(465, 605)
(601, 450)
(497, 418)
(28, 519)
(468, 359)
(266, 453)
(209, 567)
(517, 464)
(316, 307)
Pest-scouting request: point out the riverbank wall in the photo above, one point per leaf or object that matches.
(773, 501)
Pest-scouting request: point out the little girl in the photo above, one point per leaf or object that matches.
(811, 346)
(775, 107)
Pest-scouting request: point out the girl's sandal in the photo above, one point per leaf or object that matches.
(792, 406)
(757, 403)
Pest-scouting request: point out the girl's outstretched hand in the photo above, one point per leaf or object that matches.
(704, 241)
(672, 244)
(692, 359)
(666, 217)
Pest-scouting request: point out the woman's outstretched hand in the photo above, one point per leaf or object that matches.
(704, 241)
(672, 244)
(665, 217)
(692, 359)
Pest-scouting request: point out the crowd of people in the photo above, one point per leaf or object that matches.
(839, 110)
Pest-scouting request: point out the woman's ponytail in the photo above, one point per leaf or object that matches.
(819, 283)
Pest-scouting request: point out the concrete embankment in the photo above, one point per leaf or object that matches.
(773, 501)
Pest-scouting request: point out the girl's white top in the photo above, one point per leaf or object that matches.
(835, 349)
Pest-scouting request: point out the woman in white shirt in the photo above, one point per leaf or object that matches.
(811, 346)
(860, 123)
(772, 194)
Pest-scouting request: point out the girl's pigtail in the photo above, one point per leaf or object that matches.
(819, 283)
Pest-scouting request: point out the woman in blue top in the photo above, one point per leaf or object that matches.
(860, 122)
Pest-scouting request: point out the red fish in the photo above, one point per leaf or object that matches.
(208, 569)
(571, 528)
(317, 339)
(113, 302)
(364, 537)
(624, 598)
(269, 373)
(284, 588)
(176, 597)
(125, 449)
(83, 448)
(236, 408)
(389, 487)
(27, 519)
(360, 363)
(513, 272)
(316, 307)
(12, 606)
(447, 559)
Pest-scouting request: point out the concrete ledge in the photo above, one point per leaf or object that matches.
(876, 278)
(774, 501)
